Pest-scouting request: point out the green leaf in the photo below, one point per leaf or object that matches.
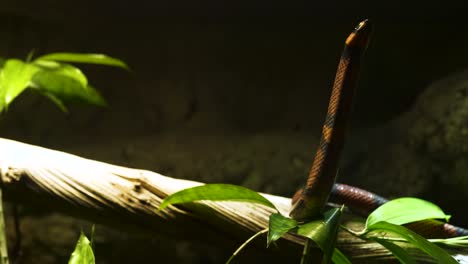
(406, 210)
(418, 241)
(64, 88)
(323, 232)
(216, 192)
(84, 58)
(63, 69)
(83, 253)
(339, 258)
(396, 250)
(278, 226)
(14, 78)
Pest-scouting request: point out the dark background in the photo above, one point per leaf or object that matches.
(275, 61)
(226, 91)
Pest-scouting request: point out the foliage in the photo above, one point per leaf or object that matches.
(416, 240)
(51, 76)
(83, 253)
(406, 210)
(216, 192)
(323, 232)
(396, 250)
(382, 226)
(278, 226)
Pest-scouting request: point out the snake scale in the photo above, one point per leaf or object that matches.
(309, 201)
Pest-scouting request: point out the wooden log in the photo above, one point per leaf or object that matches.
(130, 198)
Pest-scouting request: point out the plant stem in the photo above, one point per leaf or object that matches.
(306, 257)
(245, 244)
(3, 239)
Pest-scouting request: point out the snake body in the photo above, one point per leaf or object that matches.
(309, 201)
(362, 202)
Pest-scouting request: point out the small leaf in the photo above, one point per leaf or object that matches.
(278, 226)
(14, 78)
(340, 258)
(65, 88)
(63, 69)
(406, 210)
(216, 192)
(84, 58)
(396, 250)
(323, 232)
(83, 253)
(418, 241)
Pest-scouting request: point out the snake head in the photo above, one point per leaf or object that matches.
(360, 36)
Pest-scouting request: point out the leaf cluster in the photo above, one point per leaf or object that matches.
(384, 225)
(52, 76)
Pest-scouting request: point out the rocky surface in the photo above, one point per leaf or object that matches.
(422, 153)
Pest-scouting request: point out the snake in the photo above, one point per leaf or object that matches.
(309, 201)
